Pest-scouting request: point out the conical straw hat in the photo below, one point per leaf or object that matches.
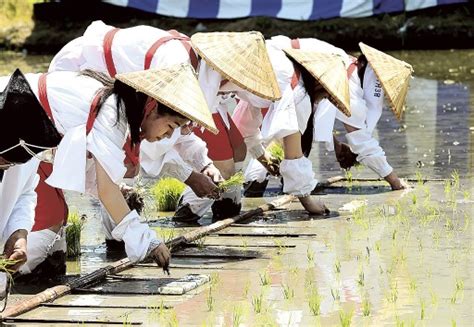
(240, 57)
(329, 70)
(177, 87)
(393, 74)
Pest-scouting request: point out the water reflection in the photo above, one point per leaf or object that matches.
(434, 137)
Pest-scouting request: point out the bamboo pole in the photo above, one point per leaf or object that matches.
(58, 291)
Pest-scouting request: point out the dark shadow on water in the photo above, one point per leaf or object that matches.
(355, 190)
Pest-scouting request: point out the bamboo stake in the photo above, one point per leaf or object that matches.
(58, 291)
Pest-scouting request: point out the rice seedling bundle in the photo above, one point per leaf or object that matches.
(167, 192)
(235, 180)
(276, 150)
(74, 228)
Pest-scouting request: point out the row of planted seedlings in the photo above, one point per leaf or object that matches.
(401, 246)
(401, 258)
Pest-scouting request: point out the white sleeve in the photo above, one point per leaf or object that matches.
(193, 150)
(174, 166)
(69, 58)
(248, 120)
(23, 214)
(373, 96)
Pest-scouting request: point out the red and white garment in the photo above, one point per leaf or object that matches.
(286, 116)
(70, 97)
(128, 50)
(17, 196)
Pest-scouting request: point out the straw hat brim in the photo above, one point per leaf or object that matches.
(175, 87)
(329, 70)
(393, 74)
(242, 58)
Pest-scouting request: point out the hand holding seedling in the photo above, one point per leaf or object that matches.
(235, 180)
(15, 249)
(202, 185)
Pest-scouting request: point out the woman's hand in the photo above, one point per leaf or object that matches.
(15, 248)
(202, 185)
(271, 164)
(161, 255)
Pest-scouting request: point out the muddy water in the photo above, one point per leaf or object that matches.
(401, 258)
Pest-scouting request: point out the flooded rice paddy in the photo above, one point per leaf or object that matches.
(382, 258)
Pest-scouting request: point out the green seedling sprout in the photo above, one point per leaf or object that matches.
(237, 314)
(288, 292)
(74, 227)
(210, 301)
(235, 180)
(257, 301)
(422, 309)
(310, 255)
(264, 278)
(314, 301)
(366, 307)
(167, 192)
(276, 150)
(345, 318)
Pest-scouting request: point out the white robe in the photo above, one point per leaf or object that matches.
(18, 198)
(70, 97)
(129, 47)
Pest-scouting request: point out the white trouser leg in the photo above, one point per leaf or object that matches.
(298, 176)
(38, 248)
(369, 152)
(199, 206)
(255, 172)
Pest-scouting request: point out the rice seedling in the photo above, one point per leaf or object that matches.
(276, 150)
(247, 288)
(166, 234)
(172, 319)
(345, 318)
(378, 246)
(74, 227)
(392, 296)
(453, 323)
(366, 307)
(310, 255)
(419, 178)
(336, 295)
(215, 279)
(200, 243)
(434, 297)
(210, 301)
(361, 279)
(5, 265)
(235, 180)
(412, 286)
(257, 301)
(294, 270)
(126, 319)
(422, 309)
(288, 291)
(264, 278)
(237, 314)
(280, 243)
(459, 285)
(349, 179)
(167, 192)
(337, 267)
(314, 301)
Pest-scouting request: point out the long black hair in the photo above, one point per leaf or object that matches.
(310, 84)
(129, 102)
(361, 66)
